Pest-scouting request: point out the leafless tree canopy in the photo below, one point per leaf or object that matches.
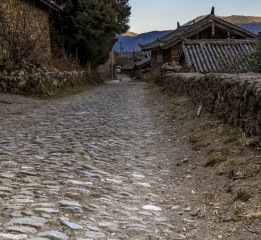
(20, 37)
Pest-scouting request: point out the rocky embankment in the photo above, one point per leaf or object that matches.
(235, 98)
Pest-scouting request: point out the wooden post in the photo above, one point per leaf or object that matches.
(213, 28)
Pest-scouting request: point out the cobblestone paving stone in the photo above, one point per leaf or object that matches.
(87, 166)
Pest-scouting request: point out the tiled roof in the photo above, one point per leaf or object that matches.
(129, 66)
(191, 28)
(136, 65)
(227, 55)
(143, 62)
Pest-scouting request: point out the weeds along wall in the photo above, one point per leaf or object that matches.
(235, 98)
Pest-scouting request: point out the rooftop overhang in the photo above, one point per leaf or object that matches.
(152, 46)
(143, 63)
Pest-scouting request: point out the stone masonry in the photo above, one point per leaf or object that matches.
(236, 98)
(38, 79)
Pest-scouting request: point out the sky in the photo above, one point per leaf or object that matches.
(150, 15)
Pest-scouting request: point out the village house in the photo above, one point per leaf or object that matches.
(138, 69)
(24, 24)
(207, 45)
(125, 58)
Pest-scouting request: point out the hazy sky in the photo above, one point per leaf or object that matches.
(149, 15)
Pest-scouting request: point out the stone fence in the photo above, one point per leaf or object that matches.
(39, 80)
(235, 98)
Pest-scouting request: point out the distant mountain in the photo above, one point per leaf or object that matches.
(130, 34)
(251, 27)
(242, 19)
(130, 41)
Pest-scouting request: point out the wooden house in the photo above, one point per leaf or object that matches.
(200, 44)
(124, 58)
(142, 68)
(26, 20)
(137, 69)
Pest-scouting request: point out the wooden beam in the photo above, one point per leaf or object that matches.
(213, 28)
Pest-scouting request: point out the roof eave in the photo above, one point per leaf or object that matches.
(148, 48)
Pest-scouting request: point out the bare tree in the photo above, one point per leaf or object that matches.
(22, 38)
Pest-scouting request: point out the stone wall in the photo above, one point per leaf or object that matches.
(33, 79)
(235, 98)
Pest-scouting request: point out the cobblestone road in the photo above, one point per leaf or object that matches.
(87, 166)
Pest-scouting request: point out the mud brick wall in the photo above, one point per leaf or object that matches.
(235, 98)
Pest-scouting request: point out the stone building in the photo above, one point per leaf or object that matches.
(24, 29)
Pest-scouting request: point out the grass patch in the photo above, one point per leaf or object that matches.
(237, 211)
(214, 160)
(227, 130)
(242, 195)
(193, 138)
(226, 152)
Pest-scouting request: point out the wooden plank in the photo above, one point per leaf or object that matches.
(213, 27)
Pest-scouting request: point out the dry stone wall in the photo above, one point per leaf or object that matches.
(33, 79)
(235, 98)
